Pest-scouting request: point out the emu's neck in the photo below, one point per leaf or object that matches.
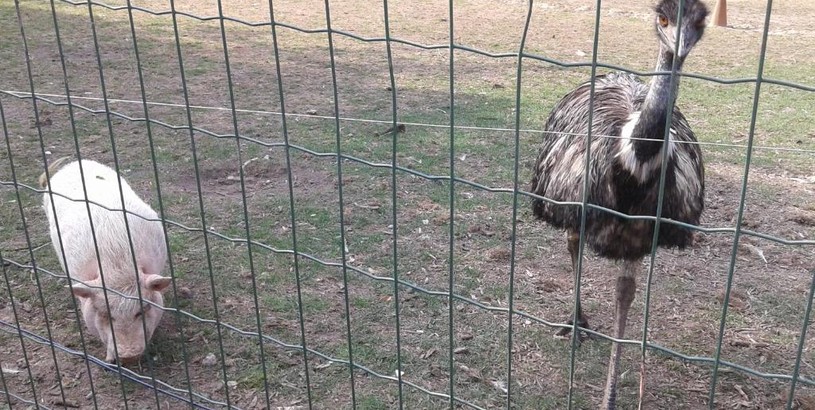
(654, 112)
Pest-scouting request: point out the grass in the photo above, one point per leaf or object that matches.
(684, 309)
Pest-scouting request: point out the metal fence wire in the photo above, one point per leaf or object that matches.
(26, 264)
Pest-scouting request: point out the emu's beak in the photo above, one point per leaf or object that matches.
(686, 43)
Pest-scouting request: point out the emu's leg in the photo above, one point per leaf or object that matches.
(572, 243)
(626, 288)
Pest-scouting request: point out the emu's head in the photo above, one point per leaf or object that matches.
(690, 28)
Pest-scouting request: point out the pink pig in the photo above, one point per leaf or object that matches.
(124, 317)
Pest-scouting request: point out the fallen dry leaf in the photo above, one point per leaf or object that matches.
(322, 365)
(471, 375)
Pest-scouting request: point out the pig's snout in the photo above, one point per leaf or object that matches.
(124, 360)
(124, 353)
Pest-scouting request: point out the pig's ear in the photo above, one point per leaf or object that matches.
(156, 283)
(84, 291)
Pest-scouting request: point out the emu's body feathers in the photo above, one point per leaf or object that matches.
(619, 179)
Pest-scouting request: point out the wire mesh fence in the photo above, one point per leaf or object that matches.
(318, 261)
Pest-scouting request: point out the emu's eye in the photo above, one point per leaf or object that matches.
(663, 21)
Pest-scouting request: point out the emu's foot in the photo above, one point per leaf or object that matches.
(581, 322)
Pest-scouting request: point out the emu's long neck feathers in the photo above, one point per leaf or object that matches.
(654, 112)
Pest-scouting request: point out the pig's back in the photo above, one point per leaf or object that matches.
(102, 187)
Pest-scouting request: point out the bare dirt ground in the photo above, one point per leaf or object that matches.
(209, 349)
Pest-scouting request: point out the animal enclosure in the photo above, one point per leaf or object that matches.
(346, 203)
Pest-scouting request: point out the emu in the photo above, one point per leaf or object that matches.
(624, 171)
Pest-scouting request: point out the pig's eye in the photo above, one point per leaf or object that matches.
(145, 308)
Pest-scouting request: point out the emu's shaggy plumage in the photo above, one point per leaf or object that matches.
(624, 174)
(628, 126)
